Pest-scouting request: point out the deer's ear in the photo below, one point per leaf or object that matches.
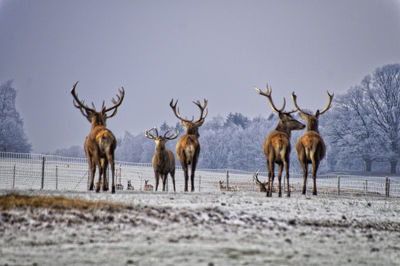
(303, 116)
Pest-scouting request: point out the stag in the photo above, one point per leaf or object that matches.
(163, 159)
(188, 146)
(262, 186)
(277, 145)
(310, 147)
(221, 186)
(100, 144)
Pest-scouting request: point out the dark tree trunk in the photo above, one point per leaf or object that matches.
(368, 165)
(393, 166)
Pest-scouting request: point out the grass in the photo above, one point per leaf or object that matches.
(14, 200)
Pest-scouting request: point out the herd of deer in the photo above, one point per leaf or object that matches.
(100, 144)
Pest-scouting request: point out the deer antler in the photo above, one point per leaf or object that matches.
(267, 94)
(329, 103)
(294, 98)
(176, 112)
(170, 137)
(150, 136)
(85, 110)
(116, 103)
(202, 107)
(255, 176)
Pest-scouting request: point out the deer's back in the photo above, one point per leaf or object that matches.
(277, 145)
(100, 140)
(311, 144)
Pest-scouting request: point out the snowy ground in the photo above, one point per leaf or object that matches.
(220, 228)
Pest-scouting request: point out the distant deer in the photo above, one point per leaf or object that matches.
(188, 146)
(262, 186)
(101, 143)
(163, 159)
(221, 186)
(147, 187)
(310, 147)
(277, 145)
(129, 186)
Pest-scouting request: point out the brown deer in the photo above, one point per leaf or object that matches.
(100, 144)
(277, 145)
(147, 187)
(221, 186)
(188, 146)
(262, 186)
(310, 147)
(163, 159)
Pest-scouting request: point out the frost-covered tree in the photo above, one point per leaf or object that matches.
(73, 151)
(237, 119)
(12, 135)
(382, 95)
(351, 131)
(364, 122)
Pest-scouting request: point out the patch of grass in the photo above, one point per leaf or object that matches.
(14, 200)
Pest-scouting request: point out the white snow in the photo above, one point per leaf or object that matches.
(200, 228)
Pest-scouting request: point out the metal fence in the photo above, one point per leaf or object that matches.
(51, 172)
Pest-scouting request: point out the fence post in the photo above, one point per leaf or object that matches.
(43, 165)
(14, 171)
(88, 179)
(227, 180)
(56, 177)
(338, 185)
(199, 182)
(365, 187)
(387, 186)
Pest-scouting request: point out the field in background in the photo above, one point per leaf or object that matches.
(50, 172)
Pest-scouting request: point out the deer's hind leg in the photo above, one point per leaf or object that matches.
(105, 168)
(270, 166)
(280, 168)
(173, 179)
(92, 167)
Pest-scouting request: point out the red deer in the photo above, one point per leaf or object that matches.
(277, 145)
(163, 159)
(221, 186)
(262, 186)
(188, 146)
(310, 147)
(147, 187)
(100, 144)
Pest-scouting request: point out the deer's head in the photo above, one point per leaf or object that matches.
(94, 117)
(192, 127)
(286, 121)
(161, 140)
(312, 120)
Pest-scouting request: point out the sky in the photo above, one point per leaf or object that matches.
(187, 50)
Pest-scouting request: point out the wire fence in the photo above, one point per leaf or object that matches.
(50, 172)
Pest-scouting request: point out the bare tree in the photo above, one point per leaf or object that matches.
(367, 118)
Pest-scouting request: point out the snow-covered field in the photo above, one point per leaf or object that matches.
(205, 228)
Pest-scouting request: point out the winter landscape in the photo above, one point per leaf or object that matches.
(220, 228)
(104, 107)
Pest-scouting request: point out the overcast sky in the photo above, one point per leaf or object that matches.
(158, 50)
